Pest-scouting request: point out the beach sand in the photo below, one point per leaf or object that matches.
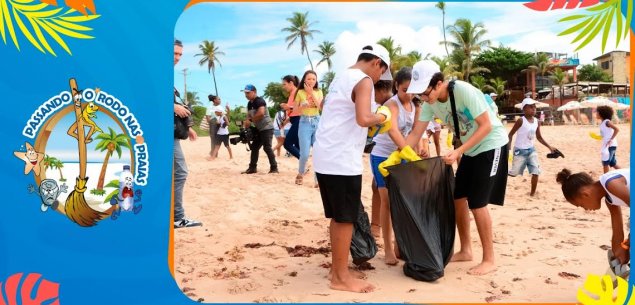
(535, 239)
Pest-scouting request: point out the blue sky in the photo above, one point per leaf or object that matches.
(64, 147)
(256, 52)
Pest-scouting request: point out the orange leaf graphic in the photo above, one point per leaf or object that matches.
(78, 5)
(46, 292)
(545, 5)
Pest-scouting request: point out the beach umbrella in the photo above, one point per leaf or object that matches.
(570, 106)
(596, 101)
(620, 106)
(76, 207)
(538, 105)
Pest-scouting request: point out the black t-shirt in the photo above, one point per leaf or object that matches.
(253, 106)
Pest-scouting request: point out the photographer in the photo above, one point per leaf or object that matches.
(258, 116)
(180, 167)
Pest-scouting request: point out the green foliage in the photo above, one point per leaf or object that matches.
(593, 73)
(503, 62)
(275, 93)
(193, 99)
(478, 81)
(326, 81)
(468, 39)
(600, 18)
(117, 141)
(326, 50)
(210, 54)
(236, 114)
(97, 192)
(199, 114)
(115, 192)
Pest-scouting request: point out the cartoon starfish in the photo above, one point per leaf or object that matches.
(32, 159)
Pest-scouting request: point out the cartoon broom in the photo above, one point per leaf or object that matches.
(76, 207)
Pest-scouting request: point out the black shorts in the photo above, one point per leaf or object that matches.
(341, 196)
(222, 139)
(482, 179)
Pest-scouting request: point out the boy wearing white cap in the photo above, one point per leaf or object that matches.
(525, 154)
(481, 176)
(337, 154)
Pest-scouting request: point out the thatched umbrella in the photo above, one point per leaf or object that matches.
(76, 207)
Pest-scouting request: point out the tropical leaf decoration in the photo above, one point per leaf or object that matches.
(599, 18)
(40, 22)
(600, 290)
(546, 5)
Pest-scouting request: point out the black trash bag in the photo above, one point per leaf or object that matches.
(422, 213)
(363, 246)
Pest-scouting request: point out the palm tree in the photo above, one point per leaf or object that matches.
(48, 161)
(58, 164)
(393, 51)
(407, 60)
(300, 28)
(441, 5)
(559, 78)
(448, 68)
(468, 38)
(110, 142)
(541, 65)
(498, 85)
(193, 99)
(210, 55)
(326, 50)
(478, 81)
(327, 79)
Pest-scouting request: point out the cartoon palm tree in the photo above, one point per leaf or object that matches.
(326, 50)
(58, 164)
(47, 161)
(210, 55)
(110, 142)
(300, 28)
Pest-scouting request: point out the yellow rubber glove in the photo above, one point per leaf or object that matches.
(383, 126)
(393, 159)
(595, 136)
(448, 140)
(408, 154)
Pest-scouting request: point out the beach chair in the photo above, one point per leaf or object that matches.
(585, 119)
(565, 119)
(573, 120)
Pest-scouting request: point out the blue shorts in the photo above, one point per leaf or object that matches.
(374, 165)
(525, 158)
(612, 161)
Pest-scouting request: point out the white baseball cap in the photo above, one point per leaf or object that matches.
(422, 75)
(493, 94)
(527, 101)
(381, 52)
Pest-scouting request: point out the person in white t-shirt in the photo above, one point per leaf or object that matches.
(525, 154)
(222, 136)
(608, 131)
(212, 116)
(337, 154)
(614, 187)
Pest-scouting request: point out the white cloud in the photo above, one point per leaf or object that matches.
(349, 43)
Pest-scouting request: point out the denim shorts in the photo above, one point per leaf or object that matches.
(609, 159)
(277, 133)
(525, 158)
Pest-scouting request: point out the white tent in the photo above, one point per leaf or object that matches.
(538, 105)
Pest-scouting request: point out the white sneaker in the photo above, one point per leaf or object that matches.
(185, 223)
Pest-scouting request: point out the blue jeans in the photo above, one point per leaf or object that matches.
(291, 143)
(180, 176)
(306, 135)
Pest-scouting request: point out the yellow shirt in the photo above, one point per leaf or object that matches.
(301, 99)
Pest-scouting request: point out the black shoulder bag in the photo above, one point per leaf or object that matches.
(456, 142)
(181, 125)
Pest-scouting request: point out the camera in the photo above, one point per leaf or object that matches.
(245, 135)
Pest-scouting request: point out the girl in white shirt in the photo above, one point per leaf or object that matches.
(608, 131)
(614, 187)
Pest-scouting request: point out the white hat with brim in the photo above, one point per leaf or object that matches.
(422, 73)
(382, 53)
(527, 101)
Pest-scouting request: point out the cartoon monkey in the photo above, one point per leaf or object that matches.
(87, 115)
(49, 191)
(32, 159)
